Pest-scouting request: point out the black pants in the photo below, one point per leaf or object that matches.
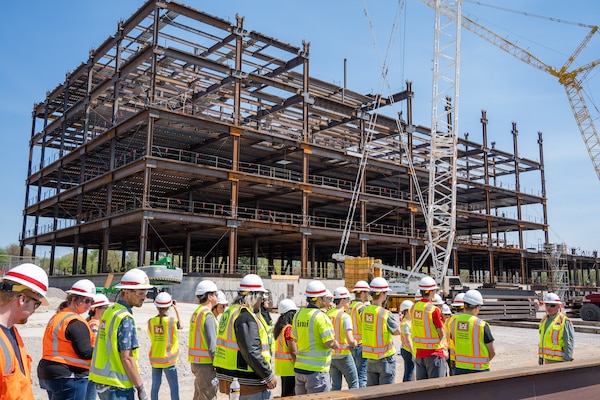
(288, 386)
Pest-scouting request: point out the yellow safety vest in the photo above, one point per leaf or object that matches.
(164, 342)
(226, 354)
(424, 332)
(336, 316)
(470, 351)
(451, 325)
(198, 348)
(378, 342)
(107, 367)
(354, 311)
(403, 324)
(551, 339)
(284, 365)
(311, 328)
(269, 329)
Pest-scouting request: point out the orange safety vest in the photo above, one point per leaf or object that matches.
(56, 347)
(424, 332)
(198, 348)
(14, 385)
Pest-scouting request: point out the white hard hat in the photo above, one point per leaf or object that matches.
(406, 305)
(315, 289)
(32, 277)
(163, 300)
(83, 287)
(437, 300)
(341, 293)
(379, 284)
(205, 286)
(252, 283)
(286, 305)
(328, 293)
(361, 286)
(446, 309)
(134, 279)
(473, 297)
(458, 300)
(552, 298)
(418, 295)
(221, 298)
(100, 300)
(427, 283)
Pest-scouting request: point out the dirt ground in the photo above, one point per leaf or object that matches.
(515, 347)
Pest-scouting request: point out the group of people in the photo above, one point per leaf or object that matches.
(311, 349)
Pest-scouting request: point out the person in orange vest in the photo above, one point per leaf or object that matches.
(556, 333)
(22, 290)
(428, 332)
(67, 345)
(164, 345)
(285, 349)
(100, 304)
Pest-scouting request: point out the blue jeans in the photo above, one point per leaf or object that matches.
(114, 393)
(381, 372)
(343, 366)
(65, 388)
(91, 392)
(171, 374)
(430, 367)
(409, 365)
(361, 365)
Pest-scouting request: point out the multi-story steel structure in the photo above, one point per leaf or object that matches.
(186, 134)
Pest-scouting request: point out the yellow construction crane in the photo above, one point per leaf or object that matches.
(570, 79)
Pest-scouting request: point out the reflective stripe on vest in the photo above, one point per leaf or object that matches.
(378, 342)
(16, 385)
(403, 325)
(424, 332)
(198, 352)
(354, 309)
(284, 365)
(164, 343)
(56, 347)
(311, 328)
(551, 338)
(470, 351)
(336, 316)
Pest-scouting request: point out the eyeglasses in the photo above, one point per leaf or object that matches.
(87, 300)
(36, 302)
(552, 305)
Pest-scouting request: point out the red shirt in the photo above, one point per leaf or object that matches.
(437, 321)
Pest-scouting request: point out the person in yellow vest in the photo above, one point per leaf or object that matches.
(361, 292)
(265, 318)
(202, 341)
(407, 351)
(448, 345)
(313, 332)
(556, 333)
(342, 362)
(114, 366)
(164, 345)
(285, 348)
(378, 328)
(427, 333)
(22, 290)
(100, 304)
(67, 345)
(473, 340)
(243, 350)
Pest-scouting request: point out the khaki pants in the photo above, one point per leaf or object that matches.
(204, 389)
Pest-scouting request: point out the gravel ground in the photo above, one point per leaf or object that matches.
(515, 347)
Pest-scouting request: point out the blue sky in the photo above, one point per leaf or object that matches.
(41, 41)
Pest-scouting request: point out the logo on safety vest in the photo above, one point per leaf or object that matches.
(418, 314)
(369, 318)
(159, 330)
(463, 326)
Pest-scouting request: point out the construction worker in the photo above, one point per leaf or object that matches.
(327, 301)
(428, 332)
(342, 362)
(265, 318)
(378, 326)
(361, 292)
(114, 366)
(100, 304)
(407, 351)
(202, 341)
(164, 345)
(458, 306)
(556, 333)
(67, 345)
(473, 340)
(285, 349)
(446, 318)
(243, 350)
(313, 332)
(221, 305)
(22, 290)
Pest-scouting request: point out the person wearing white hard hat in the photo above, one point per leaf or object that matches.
(202, 341)
(405, 338)
(428, 333)
(556, 333)
(164, 345)
(313, 332)
(243, 351)
(378, 328)
(327, 301)
(219, 308)
(22, 290)
(285, 347)
(473, 340)
(361, 292)
(342, 362)
(114, 366)
(67, 345)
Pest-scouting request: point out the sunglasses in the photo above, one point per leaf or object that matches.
(87, 300)
(36, 302)
(551, 305)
